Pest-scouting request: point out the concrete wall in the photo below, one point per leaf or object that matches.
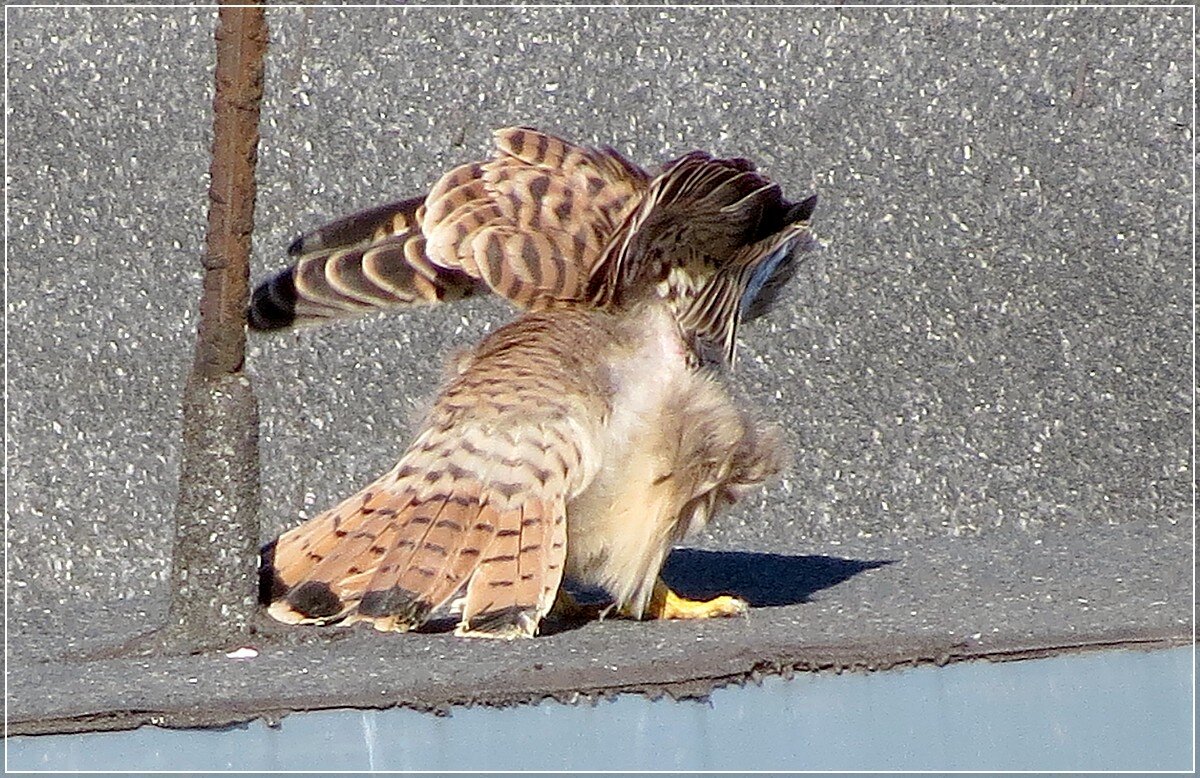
(996, 336)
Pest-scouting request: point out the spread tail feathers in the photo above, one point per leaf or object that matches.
(477, 503)
(403, 547)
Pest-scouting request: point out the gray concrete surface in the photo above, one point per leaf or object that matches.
(986, 374)
(934, 601)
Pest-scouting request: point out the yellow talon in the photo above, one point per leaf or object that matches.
(666, 604)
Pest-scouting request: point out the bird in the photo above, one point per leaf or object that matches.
(579, 442)
(531, 225)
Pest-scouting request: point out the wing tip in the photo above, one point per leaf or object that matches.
(802, 211)
(273, 303)
(300, 245)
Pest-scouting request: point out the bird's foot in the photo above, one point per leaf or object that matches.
(666, 604)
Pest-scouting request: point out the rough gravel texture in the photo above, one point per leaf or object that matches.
(985, 376)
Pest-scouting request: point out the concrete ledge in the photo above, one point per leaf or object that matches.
(1000, 597)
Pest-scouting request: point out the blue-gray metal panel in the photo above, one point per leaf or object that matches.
(1117, 710)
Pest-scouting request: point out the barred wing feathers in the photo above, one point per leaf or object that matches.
(528, 225)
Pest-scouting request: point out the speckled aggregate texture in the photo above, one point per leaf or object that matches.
(984, 376)
(109, 128)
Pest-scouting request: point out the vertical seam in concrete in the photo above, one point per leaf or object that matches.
(241, 46)
(216, 521)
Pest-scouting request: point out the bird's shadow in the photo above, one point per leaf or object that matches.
(762, 580)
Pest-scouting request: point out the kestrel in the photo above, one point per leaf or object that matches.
(584, 439)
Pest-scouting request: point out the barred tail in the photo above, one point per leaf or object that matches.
(466, 507)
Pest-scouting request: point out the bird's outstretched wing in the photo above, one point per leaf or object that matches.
(528, 225)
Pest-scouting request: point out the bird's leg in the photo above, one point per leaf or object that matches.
(567, 608)
(666, 604)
